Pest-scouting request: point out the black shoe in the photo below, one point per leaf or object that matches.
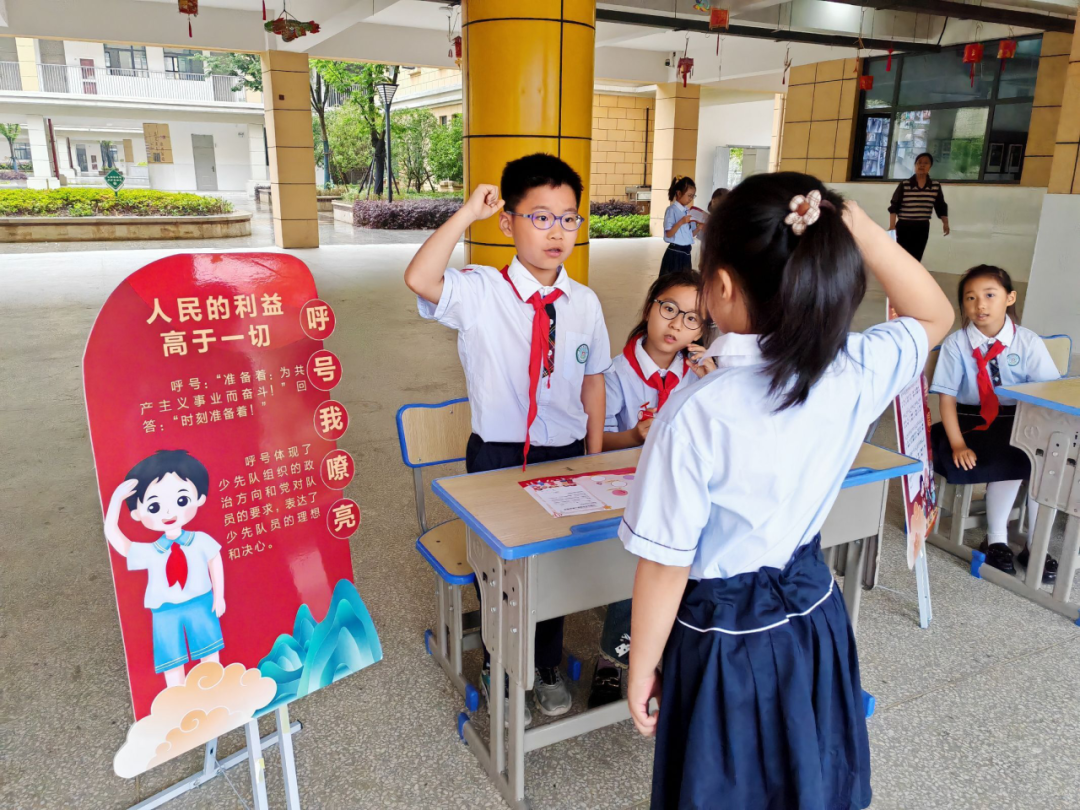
(1050, 568)
(606, 685)
(999, 556)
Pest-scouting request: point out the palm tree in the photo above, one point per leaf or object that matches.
(10, 133)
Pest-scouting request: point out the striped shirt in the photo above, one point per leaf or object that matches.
(911, 203)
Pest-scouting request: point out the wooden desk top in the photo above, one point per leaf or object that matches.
(1056, 395)
(495, 506)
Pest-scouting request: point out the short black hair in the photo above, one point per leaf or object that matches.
(534, 171)
(154, 468)
(801, 291)
(922, 155)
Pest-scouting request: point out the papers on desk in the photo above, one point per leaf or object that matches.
(582, 494)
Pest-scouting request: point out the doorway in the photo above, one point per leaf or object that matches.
(202, 146)
(80, 158)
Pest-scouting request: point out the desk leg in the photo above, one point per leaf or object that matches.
(1044, 524)
(515, 770)
(1069, 560)
(853, 574)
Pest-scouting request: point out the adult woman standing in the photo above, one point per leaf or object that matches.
(914, 200)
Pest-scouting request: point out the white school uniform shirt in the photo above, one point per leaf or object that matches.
(685, 234)
(1025, 359)
(627, 392)
(494, 340)
(727, 485)
(199, 548)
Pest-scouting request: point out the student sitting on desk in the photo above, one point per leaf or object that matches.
(662, 355)
(532, 342)
(971, 442)
(760, 704)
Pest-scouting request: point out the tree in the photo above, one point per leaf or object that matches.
(350, 145)
(326, 77)
(368, 107)
(446, 157)
(246, 66)
(106, 154)
(10, 133)
(412, 131)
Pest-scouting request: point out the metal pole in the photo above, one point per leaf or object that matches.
(389, 162)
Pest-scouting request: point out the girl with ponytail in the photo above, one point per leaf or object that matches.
(760, 703)
(679, 226)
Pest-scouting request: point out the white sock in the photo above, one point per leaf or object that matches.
(1000, 497)
(1032, 510)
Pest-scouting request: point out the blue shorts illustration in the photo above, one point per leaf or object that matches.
(193, 619)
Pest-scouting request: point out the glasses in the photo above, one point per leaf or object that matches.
(669, 312)
(544, 221)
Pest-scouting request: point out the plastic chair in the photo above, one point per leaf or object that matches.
(431, 435)
(965, 512)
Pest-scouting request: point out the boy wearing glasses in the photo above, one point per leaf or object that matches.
(532, 342)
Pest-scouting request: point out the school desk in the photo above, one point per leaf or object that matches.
(531, 566)
(1047, 428)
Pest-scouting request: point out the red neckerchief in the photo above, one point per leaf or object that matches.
(988, 401)
(662, 384)
(176, 567)
(541, 332)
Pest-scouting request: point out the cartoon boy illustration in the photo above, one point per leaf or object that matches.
(185, 588)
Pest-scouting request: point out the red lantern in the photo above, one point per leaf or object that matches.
(888, 62)
(973, 54)
(718, 18)
(866, 82)
(456, 51)
(191, 8)
(1006, 50)
(685, 68)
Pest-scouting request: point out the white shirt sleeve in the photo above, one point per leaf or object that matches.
(1040, 365)
(669, 504)
(207, 545)
(892, 355)
(613, 402)
(463, 293)
(140, 555)
(949, 372)
(599, 359)
(671, 216)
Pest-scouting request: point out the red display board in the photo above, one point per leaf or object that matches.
(214, 441)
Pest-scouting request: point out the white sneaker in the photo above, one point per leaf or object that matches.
(485, 683)
(552, 695)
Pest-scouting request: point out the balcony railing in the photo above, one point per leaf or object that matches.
(124, 83)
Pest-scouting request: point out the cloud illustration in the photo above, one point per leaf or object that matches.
(212, 701)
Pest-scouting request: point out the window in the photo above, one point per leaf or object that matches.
(184, 64)
(125, 60)
(975, 130)
(442, 120)
(22, 152)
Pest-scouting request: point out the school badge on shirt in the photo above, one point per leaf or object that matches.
(582, 353)
(1014, 359)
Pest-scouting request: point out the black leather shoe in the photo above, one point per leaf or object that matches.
(606, 686)
(1050, 569)
(999, 556)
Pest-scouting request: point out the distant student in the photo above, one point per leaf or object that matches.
(760, 699)
(971, 442)
(662, 355)
(679, 226)
(717, 196)
(531, 340)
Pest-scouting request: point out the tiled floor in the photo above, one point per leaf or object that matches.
(979, 711)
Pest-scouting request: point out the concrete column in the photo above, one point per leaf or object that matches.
(818, 134)
(39, 148)
(1046, 110)
(1051, 305)
(62, 156)
(28, 62)
(257, 149)
(528, 87)
(287, 100)
(674, 143)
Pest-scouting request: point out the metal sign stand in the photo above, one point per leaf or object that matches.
(253, 754)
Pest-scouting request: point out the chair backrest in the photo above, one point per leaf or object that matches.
(1060, 348)
(432, 434)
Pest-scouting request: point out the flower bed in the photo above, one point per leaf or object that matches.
(612, 208)
(618, 227)
(414, 214)
(93, 202)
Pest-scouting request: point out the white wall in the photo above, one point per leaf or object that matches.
(231, 152)
(1052, 304)
(74, 51)
(155, 59)
(990, 224)
(747, 123)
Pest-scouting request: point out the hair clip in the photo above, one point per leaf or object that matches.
(804, 211)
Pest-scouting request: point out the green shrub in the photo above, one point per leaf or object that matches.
(619, 227)
(90, 202)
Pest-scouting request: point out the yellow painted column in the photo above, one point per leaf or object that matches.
(528, 87)
(818, 133)
(674, 144)
(1065, 171)
(287, 101)
(28, 72)
(1046, 109)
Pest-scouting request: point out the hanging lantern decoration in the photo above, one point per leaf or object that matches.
(264, 10)
(701, 7)
(973, 54)
(289, 28)
(888, 62)
(1006, 50)
(455, 50)
(191, 8)
(787, 66)
(866, 82)
(685, 68)
(718, 18)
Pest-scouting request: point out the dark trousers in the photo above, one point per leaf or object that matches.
(481, 456)
(912, 236)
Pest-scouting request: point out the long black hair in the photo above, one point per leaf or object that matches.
(801, 291)
(678, 186)
(985, 271)
(661, 285)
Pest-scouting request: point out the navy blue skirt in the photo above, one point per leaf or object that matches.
(995, 458)
(761, 707)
